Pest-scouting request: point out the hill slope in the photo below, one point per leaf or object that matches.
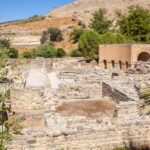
(27, 34)
(83, 9)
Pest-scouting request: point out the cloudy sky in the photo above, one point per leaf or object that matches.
(19, 9)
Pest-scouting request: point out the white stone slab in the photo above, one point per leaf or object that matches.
(37, 78)
(54, 80)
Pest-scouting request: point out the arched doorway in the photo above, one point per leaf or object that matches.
(105, 64)
(113, 63)
(144, 56)
(120, 65)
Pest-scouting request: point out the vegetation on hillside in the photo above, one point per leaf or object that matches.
(133, 27)
(8, 124)
(52, 35)
(9, 51)
(30, 19)
(99, 22)
(44, 50)
(145, 94)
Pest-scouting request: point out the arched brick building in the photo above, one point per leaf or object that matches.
(122, 55)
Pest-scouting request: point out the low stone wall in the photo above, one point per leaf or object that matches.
(25, 100)
(113, 93)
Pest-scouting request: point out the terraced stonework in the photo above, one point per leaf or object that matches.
(70, 106)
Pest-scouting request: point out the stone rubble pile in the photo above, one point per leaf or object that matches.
(139, 68)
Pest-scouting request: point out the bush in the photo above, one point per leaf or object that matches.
(35, 18)
(121, 148)
(45, 50)
(89, 44)
(76, 34)
(52, 34)
(27, 54)
(4, 43)
(13, 53)
(55, 34)
(3, 56)
(60, 52)
(75, 53)
(112, 38)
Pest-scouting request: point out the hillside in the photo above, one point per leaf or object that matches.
(24, 35)
(82, 9)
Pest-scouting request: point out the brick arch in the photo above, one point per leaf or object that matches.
(144, 56)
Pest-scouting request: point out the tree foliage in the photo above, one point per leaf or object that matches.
(76, 34)
(44, 50)
(52, 34)
(89, 44)
(136, 24)
(4, 43)
(112, 38)
(99, 22)
(60, 52)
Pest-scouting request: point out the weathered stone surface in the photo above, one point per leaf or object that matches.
(43, 109)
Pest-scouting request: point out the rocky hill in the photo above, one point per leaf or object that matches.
(82, 9)
(27, 34)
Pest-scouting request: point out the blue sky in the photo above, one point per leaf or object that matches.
(20, 9)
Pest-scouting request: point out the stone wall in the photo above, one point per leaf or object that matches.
(46, 128)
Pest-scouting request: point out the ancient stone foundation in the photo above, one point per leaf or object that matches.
(77, 108)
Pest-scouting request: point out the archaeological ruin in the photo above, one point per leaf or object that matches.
(68, 104)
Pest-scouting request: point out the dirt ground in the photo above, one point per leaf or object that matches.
(92, 109)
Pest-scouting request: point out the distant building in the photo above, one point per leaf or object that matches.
(123, 55)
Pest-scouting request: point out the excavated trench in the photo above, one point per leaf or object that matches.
(90, 109)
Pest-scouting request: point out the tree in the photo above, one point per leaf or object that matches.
(76, 34)
(99, 22)
(112, 38)
(4, 43)
(89, 44)
(136, 24)
(52, 34)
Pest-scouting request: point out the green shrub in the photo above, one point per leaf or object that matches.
(60, 52)
(4, 43)
(112, 38)
(121, 148)
(44, 50)
(3, 56)
(145, 94)
(35, 18)
(76, 34)
(52, 34)
(27, 54)
(75, 53)
(89, 44)
(13, 53)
